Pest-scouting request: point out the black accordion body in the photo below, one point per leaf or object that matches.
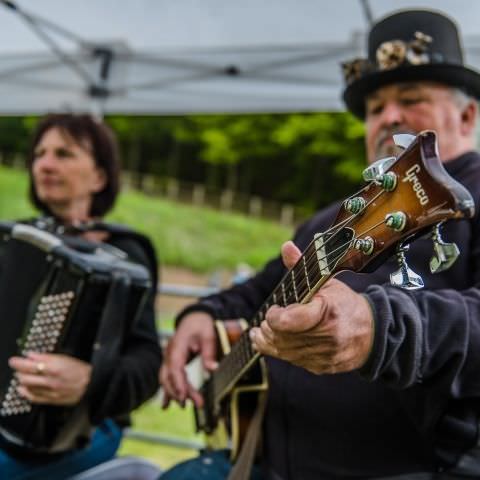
(60, 294)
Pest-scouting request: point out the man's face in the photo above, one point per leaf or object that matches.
(411, 108)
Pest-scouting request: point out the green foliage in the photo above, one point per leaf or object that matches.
(13, 194)
(295, 158)
(197, 238)
(200, 238)
(289, 158)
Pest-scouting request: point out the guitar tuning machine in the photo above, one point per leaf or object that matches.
(405, 277)
(365, 245)
(444, 254)
(378, 169)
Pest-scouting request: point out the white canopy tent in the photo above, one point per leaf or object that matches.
(164, 57)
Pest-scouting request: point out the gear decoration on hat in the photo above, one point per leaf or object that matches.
(418, 48)
(356, 69)
(390, 55)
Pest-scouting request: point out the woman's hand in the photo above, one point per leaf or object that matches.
(51, 379)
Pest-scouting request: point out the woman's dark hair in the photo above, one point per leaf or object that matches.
(102, 141)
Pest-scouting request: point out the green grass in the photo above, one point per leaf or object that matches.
(197, 238)
(201, 239)
(176, 422)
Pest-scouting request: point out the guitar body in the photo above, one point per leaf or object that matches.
(230, 426)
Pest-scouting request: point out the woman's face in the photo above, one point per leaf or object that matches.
(64, 173)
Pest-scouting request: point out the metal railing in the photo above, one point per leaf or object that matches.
(159, 439)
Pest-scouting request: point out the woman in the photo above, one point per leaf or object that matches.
(74, 179)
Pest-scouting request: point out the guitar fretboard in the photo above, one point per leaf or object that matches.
(297, 286)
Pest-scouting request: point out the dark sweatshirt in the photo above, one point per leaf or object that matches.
(414, 406)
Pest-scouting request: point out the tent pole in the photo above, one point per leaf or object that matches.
(367, 11)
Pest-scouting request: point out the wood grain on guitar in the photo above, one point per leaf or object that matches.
(404, 197)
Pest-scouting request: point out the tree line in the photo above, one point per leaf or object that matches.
(308, 160)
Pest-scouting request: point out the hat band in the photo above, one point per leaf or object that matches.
(393, 54)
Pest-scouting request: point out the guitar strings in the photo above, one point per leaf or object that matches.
(241, 350)
(310, 259)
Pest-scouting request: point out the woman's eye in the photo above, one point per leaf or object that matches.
(61, 152)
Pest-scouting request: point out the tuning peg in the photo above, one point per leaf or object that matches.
(378, 168)
(405, 277)
(403, 140)
(355, 204)
(444, 254)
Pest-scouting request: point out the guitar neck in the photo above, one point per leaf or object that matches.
(298, 285)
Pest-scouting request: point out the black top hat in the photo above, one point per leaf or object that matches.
(407, 46)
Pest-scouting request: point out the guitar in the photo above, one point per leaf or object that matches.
(403, 198)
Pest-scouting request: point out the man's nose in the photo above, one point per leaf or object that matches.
(392, 114)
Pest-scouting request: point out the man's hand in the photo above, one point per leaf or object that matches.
(332, 333)
(195, 335)
(51, 379)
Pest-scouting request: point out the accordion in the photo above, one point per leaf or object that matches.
(60, 294)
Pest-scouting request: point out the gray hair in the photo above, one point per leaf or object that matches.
(461, 98)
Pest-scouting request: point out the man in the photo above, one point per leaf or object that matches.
(368, 380)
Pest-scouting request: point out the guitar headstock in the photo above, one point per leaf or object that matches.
(403, 198)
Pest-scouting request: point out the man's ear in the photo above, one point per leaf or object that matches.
(100, 180)
(469, 117)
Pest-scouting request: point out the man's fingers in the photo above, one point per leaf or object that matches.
(267, 331)
(166, 383)
(295, 318)
(176, 382)
(290, 254)
(165, 401)
(261, 344)
(208, 352)
(196, 397)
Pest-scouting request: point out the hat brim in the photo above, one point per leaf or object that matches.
(458, 76)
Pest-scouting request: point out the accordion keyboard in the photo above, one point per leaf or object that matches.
(43, 335)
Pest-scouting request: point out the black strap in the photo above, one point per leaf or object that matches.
(111, 332)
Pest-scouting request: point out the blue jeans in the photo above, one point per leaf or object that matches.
(104, 444)
(213, 465)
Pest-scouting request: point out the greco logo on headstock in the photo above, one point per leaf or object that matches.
(411, 177)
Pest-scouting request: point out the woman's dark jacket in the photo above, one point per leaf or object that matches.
(133, 377)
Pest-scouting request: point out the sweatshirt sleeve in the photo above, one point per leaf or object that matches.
(429, 337)
(240, 301)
